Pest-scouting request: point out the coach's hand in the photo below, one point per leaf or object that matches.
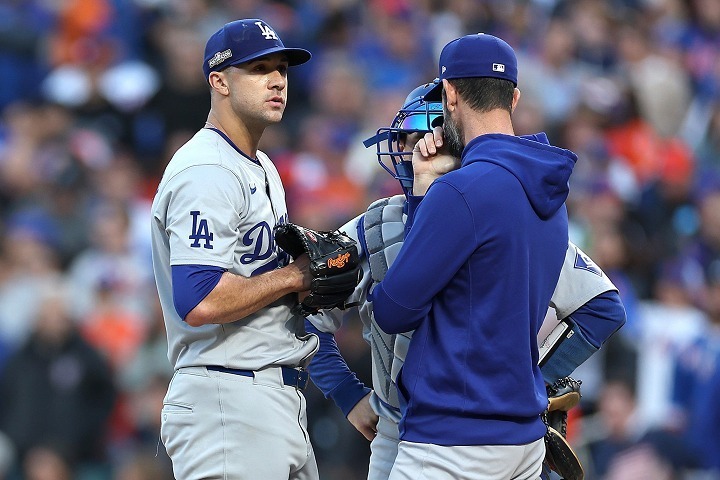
(431, 160)
(364, 418)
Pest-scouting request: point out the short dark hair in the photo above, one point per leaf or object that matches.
(485, 93)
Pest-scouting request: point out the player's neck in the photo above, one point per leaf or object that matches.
(243, 137)
(495, 121)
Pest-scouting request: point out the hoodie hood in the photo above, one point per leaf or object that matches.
(543, 170)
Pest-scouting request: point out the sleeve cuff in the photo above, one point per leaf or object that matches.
(571, 353)
(348, 393)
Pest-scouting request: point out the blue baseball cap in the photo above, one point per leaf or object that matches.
(244, 40)
(478, 55)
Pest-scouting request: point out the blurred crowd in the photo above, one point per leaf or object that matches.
(96, 95)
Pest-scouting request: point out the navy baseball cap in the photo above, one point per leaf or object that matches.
(478, 55)
(244, 40)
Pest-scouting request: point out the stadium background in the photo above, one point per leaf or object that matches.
(95, 96)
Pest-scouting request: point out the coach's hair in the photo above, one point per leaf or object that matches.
(485, 93)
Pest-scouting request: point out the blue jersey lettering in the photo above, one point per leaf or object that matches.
(200, 231)
(261, 239)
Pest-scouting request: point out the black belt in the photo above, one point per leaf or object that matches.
(292, 377)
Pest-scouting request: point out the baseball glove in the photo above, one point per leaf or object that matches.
(559, 455)
(334, 265)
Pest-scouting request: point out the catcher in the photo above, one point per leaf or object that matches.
(586, 311)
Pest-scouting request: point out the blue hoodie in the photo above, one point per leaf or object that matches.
(473, 279)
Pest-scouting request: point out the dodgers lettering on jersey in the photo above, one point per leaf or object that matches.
(260, 240)
(279, 258)
(209, 211)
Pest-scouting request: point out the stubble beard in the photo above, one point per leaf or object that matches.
(256, 116)
(451, 132)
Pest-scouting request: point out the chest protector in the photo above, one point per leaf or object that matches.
(384, 227)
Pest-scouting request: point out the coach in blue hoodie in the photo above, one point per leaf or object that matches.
(483, 251)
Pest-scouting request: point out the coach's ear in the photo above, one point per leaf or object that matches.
(449, 95)
(516, 99)
(218, 83)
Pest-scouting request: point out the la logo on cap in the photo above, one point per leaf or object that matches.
(267, 32)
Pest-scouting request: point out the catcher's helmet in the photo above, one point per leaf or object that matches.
(416, 115)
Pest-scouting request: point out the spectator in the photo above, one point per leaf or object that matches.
(111, 263)
(56, 390)
(553, 78)
(29, 263)
(616, 446)
(697, 385)
(83, 121)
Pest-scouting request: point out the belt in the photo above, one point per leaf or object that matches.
(292, 377)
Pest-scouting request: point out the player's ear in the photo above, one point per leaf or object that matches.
(516, 98)
(218, 82)
(450, 95)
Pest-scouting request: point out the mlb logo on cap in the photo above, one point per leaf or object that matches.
(474, 56)
(245, 40)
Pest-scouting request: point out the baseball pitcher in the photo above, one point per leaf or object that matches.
(236, 339)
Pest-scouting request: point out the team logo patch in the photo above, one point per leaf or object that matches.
(253, 188)
(219, 57)
(498, 67)
(200, 231)
(267, 32)
(583, 262)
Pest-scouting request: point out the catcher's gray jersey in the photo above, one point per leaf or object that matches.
(383, 225)
(215, 206)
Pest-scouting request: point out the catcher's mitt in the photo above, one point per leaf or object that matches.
(559, 455)
(334, 265)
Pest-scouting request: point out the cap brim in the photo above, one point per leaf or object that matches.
(435, 93)
(295, 56)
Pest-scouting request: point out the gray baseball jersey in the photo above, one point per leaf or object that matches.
(215, 206)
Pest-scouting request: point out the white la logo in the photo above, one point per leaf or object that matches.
(267, 32)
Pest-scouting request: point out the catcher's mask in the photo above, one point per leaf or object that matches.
(416, 115)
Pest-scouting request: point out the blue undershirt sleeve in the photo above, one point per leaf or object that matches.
(572, 352)
(591, 325)
(191, 284)
(600, 317)
(331, 374)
